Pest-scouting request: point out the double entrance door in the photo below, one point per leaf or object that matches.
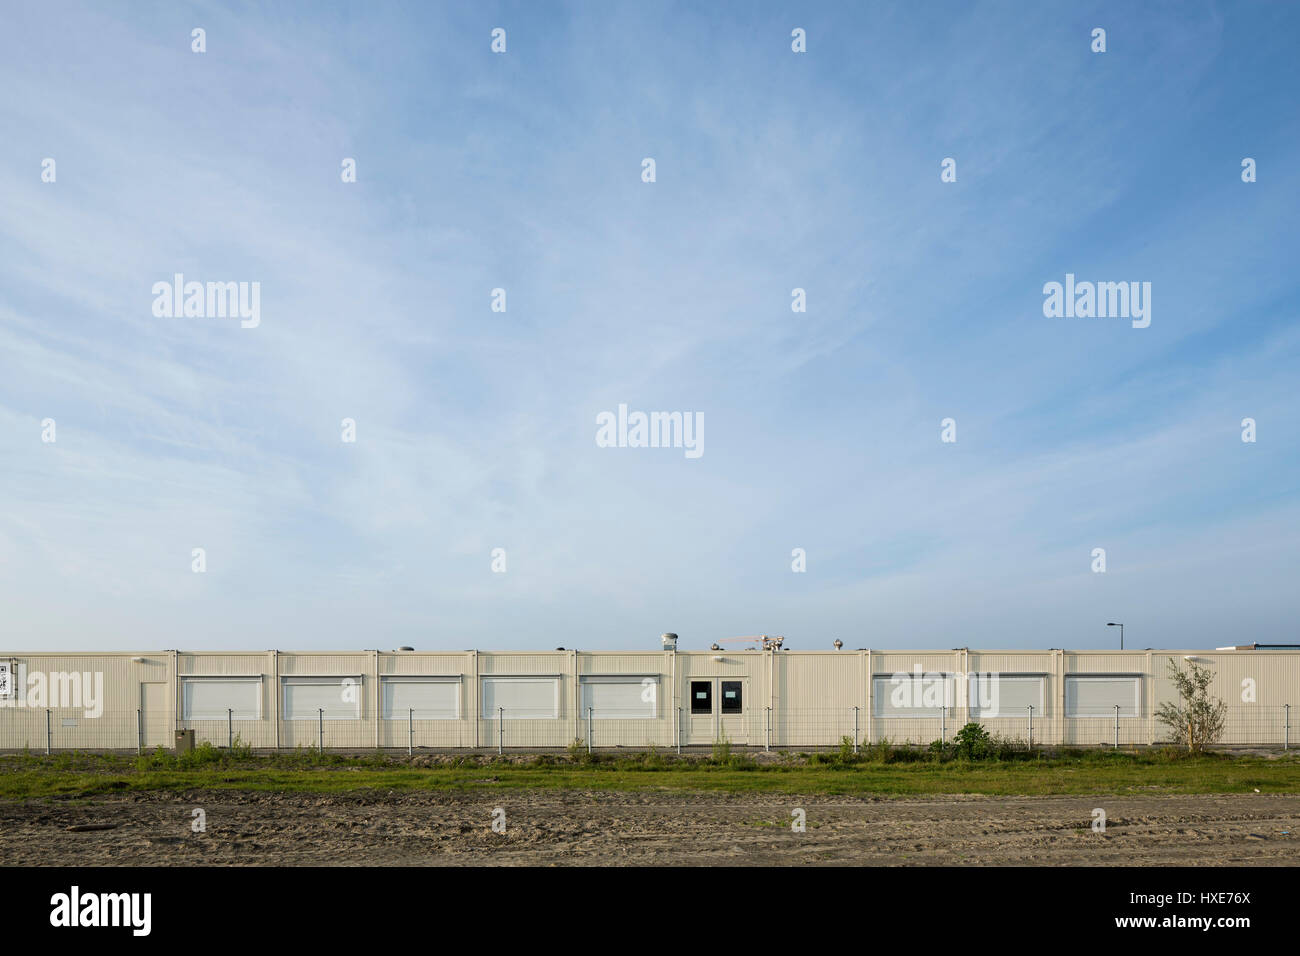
(715, 709)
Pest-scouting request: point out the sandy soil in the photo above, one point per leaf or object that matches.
(563, 827)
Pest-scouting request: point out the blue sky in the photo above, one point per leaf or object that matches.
(775, 170)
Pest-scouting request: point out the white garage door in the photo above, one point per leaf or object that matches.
(338, 697)
(212, 698)
(522, 698)
(1006, 695)
(429, 698)
(1098, 695)
(622, 697)
(912, 695)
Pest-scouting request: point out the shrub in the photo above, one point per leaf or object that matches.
(972, 742)
(939, 749)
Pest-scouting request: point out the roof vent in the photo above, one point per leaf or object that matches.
(669, 641)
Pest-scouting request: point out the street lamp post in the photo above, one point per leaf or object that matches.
(1121, 632)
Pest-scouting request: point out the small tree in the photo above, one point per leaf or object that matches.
(1197, 718)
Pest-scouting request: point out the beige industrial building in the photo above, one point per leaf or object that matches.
(755, 697)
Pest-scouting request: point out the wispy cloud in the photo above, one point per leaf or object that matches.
(475, 429)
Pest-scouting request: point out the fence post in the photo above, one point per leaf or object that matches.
(1031, 726)
(139, 732)
(767, 728)
(1286, 729)
(855, 729)
(49, 735)
(1117, 726)
(230, 728)
(501, 729)
(588, 730)
(943, 723)
(320, 720)
(679, 731)
(410, 731)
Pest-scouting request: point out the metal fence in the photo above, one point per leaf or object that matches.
(770, 728)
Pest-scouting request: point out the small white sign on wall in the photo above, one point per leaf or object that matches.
(6, 679)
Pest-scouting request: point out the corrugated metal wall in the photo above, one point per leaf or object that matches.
(790, 699)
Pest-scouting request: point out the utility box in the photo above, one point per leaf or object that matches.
(184, 741)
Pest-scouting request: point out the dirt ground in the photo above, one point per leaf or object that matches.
(567, 827)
